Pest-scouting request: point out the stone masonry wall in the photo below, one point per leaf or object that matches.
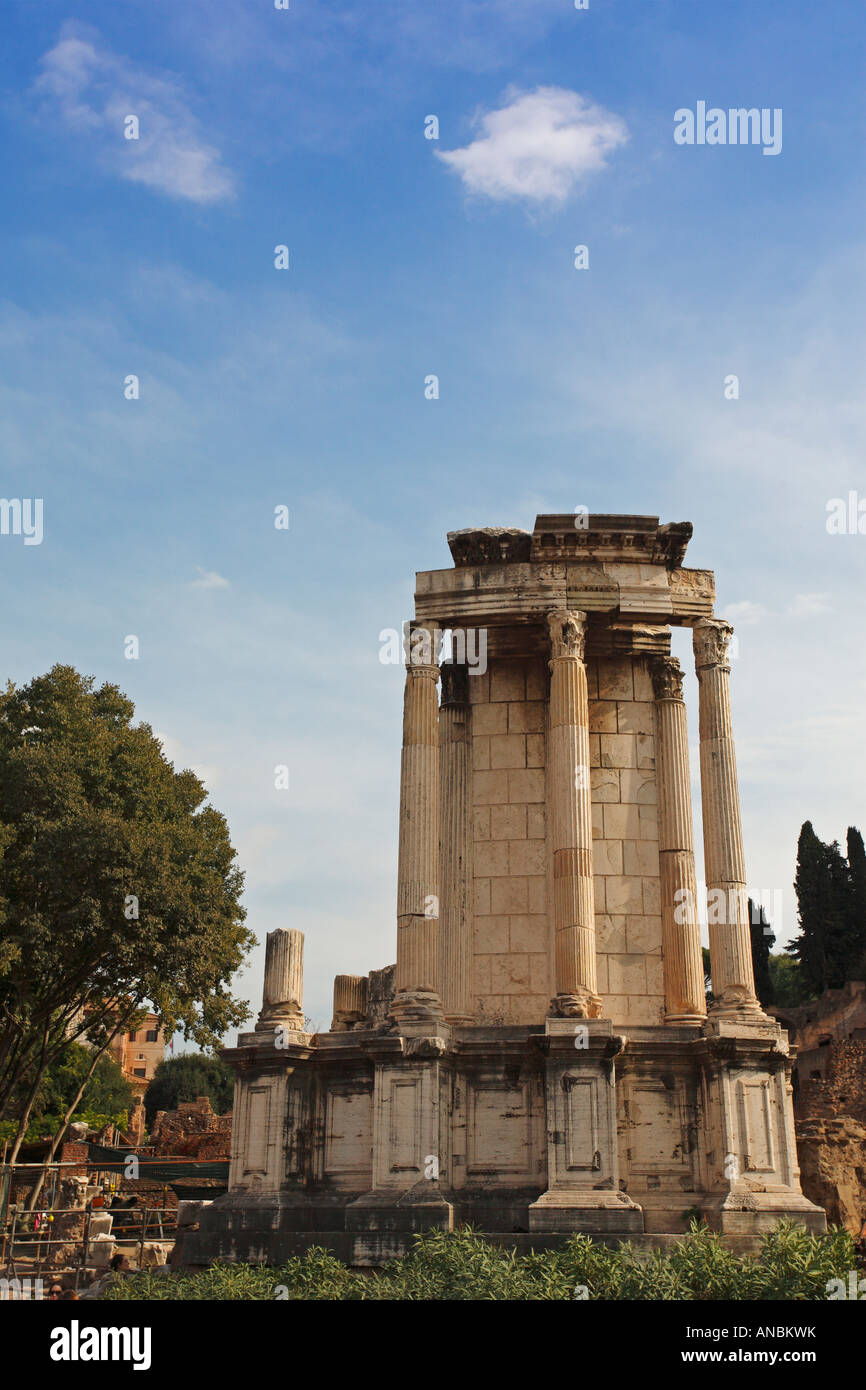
(842, 1090)
(512, 934)
(625, 840)
(512, 929)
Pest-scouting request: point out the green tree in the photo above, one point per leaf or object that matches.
(821, 884)
(786, 977)
(186, 1078)
(107, 1091)
(118, 884)
(763, 938)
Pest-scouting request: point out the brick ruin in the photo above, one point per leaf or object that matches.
(830, 1100)
(193, 1130)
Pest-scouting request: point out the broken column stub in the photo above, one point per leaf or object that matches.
(282, 996)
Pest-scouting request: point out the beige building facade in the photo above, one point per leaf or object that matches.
(540, 1060)
(139, 1052)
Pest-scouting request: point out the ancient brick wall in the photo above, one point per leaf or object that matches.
(842, 1090)
(193, 1131)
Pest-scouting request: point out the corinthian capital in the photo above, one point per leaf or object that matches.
(422, 644)
(567, 632)
(711, 637)
(667, 678)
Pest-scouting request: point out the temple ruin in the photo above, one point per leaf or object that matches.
(541, 1060)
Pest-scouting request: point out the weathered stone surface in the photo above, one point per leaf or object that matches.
(833, 1168)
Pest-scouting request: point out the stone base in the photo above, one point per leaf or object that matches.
(416, 1210)
(372, 1250)
(587, 1211)
(748, 1210)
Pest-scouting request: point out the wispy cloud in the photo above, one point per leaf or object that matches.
(539, 147)
(809, 605)
(745, 613)
(95, 90)
(209, 579)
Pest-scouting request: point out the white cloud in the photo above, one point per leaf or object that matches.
(745, 613)
(540, 146)
(209, 579)
(808, 605)
(95, 90)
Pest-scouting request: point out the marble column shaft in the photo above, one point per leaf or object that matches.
(455, 845)
(283, 992)
(681, 934)
(350, 1001)
(417, 978)
(727, 899)
(571, 820)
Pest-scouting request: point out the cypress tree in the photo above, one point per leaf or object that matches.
(855, 952)
(812, 887)
(763, 938)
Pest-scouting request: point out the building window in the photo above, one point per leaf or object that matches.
(132, 1037)
(139, 1071)
(152, 1035)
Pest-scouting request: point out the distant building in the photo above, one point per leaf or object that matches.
(138, 1052)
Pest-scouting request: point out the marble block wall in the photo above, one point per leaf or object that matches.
(512, 975)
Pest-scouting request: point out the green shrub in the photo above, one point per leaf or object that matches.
(791, 1265)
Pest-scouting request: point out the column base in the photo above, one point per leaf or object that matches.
(753, 1209)
(271, 1019)
(736, 1004)
(417, 1006)
(413, 1209)
(586, 1210)
(686, 1020)
(579, 1005)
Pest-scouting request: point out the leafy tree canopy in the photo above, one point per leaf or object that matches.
(118, 882)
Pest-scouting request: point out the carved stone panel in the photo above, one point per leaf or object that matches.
(581, 1097)
(755, 1107)
(348, 1133)
(499, 1138)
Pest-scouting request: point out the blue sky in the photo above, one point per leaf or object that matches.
(305, 387)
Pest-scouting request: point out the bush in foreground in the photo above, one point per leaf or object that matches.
(791, 1265)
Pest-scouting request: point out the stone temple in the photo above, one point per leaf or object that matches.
(541, 1059)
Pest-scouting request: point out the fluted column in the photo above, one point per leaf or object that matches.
(350, 1002)
(685, 1000)
(455, 844)
(571, 820)
(417, 995)
(724, 865)
(283, 993)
